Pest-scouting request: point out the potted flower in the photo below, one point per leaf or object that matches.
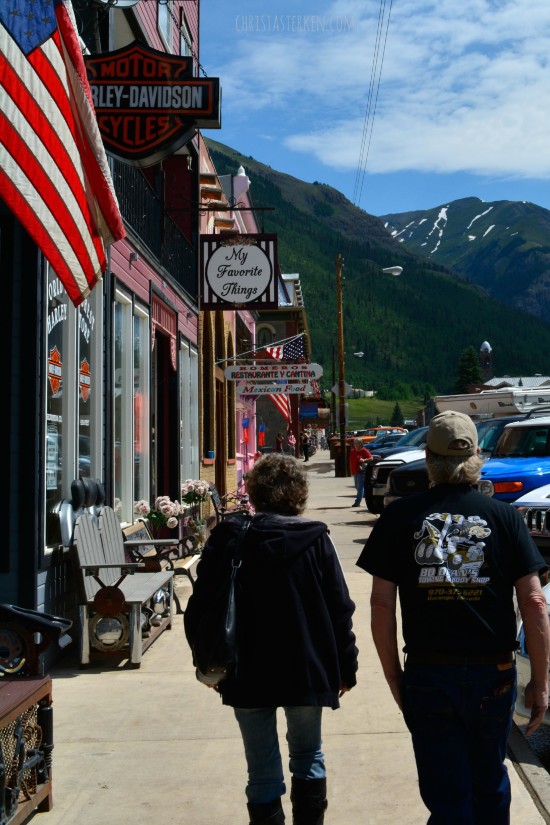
(164, 513)
(193, 493)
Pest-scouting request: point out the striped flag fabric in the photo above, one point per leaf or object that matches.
(292, 350)
(282, 402)
(54, 173)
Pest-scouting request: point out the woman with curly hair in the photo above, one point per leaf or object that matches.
(296, 648)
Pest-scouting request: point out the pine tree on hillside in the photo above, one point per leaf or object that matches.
(396, 419)
(469, 371)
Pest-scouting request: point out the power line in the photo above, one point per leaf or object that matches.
(376, 74)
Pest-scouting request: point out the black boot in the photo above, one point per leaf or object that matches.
(268, 813)
(309, 801)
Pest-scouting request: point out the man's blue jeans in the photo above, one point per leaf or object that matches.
(359, 480)
(460, 719)
(261, 745)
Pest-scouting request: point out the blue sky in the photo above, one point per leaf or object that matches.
(400, 105)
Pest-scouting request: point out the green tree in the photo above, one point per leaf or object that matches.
(469, 371)
(396, 419)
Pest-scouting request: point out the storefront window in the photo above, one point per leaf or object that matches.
(164, 21)
(89, 388)
(142, 352)
(132, 365)
(189, 426)
(73, 394)
(57, 384)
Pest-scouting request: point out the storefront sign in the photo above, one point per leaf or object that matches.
(239, 271)
(55, 370)
(148, 103)
(312, 410)
(274, 372)
(85, 379)
(249, 388)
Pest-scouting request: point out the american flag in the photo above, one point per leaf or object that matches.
(54, 174)
(292, 351)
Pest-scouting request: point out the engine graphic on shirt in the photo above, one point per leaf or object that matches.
(451, 546)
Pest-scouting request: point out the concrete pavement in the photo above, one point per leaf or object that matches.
(155, 746)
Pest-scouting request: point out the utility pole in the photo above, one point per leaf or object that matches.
(341, 465)
(334, 420)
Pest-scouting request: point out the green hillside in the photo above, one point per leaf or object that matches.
(412, 329)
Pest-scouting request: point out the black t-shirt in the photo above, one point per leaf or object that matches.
(454, 555)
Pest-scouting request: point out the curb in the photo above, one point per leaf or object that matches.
(530, 770)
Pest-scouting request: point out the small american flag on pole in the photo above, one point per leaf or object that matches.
(54, 173)
(292, 350)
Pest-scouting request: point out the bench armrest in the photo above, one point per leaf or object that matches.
(125, 568)
(152, 542)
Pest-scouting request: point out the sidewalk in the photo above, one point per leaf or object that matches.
(154, 746)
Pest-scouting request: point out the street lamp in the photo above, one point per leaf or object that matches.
(341, 469)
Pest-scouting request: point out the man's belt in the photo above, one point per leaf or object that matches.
(459, 659)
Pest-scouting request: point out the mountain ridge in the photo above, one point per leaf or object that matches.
(501, 245)
(412, 329)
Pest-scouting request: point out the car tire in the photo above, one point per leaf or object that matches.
(374, 503)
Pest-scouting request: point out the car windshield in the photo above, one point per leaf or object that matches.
(522, 442)
(384, 440)
(414, 438)
(488, 433)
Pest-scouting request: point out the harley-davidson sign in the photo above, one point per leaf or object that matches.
(148, 103)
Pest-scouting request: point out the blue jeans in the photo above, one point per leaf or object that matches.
(263, 757)
(460, 719)
(359, 480)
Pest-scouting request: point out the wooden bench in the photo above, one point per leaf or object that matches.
(123, 606)
(177, 554)
(227, 505)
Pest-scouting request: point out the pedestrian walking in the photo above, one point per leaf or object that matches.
(357, 455)
(291, 443)
(304, 443)
(296, 647)
(455, 557)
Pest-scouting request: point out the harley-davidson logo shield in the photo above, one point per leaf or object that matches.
(148, 103)
(85, 379)
(55, 370)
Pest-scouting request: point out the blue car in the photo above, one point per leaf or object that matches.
(520, 461)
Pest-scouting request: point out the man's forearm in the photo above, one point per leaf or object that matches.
(384, 634)
(534, 613)
(537, 638)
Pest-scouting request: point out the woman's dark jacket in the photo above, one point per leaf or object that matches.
(294, 612)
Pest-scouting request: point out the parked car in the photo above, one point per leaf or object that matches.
(412, 477)
(369, 435)
(406, 480)
(380, 474)
(387, 440)
(520, 461)
(410, 443)
(523, 667)
(535, 510)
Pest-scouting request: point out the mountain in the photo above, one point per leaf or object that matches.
(503, 246)
(412, 329)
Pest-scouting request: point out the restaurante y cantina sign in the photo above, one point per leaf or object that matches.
(148, 103)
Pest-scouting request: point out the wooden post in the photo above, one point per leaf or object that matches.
(341, 464)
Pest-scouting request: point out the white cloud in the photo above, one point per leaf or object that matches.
(464, 86)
